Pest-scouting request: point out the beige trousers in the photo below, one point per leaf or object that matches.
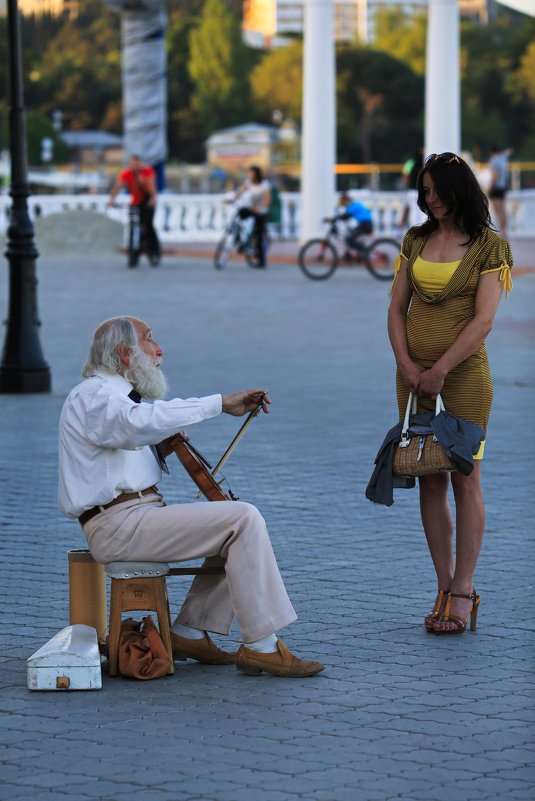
(230, 533)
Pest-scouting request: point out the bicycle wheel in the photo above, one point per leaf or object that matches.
(318, 259)
(381, 257)
(223, 251)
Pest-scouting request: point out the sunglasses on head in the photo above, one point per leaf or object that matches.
(447, 158)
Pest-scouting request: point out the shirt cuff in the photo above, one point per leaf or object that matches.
(212, 405)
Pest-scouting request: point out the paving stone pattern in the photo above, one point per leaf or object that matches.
(398, 713)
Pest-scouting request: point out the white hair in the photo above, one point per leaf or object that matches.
(106, 339)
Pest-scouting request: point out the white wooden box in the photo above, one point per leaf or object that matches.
(69, 661)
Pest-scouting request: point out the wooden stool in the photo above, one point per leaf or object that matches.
(141, 586)
(137, 586)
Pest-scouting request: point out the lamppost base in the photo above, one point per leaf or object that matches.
(15, 381)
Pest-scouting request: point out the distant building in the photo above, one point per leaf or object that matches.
(268, 23)
(235, 149)
(93, 148)
(53, 7)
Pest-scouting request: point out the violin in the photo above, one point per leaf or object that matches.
(200, 469)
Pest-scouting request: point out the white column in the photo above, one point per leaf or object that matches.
(442, 85)
(319, 118)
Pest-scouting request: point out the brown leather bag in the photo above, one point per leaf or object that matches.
(142, 654)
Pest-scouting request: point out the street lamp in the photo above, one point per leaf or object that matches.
(23, 368)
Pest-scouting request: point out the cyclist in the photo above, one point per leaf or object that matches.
(360, 214)
(411, 214)
(140, 181)
(258, 191)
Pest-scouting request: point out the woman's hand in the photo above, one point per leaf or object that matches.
(431, 382)
(240, 403)
(411, 373)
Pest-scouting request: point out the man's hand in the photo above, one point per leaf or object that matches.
(240, 403)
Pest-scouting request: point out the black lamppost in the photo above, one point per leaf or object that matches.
(23, 368)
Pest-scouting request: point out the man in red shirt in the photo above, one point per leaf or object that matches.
(140, 181)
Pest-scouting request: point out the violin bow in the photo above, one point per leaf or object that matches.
(239, 435)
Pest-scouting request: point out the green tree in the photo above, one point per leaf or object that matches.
(379, 100)
(80, 74)
(185, 134)
(496, 102)
(380, 104)
(219, 68)
(38, 126)
(526, 71)
(402, 36)
(276, 82)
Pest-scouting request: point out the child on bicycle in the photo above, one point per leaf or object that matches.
(357, 212)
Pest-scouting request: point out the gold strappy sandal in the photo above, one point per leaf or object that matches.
(433, 616)
(459, 622)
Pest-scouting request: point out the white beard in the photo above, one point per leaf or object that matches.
(145, 376)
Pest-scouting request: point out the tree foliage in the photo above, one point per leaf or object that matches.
(276, 82)
(215, 81)
(379, 106)
(219, 68)
(402, 36)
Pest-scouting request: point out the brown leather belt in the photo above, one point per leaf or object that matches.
(86, 516)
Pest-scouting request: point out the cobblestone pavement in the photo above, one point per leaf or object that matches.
(398, 713)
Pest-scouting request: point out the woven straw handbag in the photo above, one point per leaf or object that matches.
(418, 453)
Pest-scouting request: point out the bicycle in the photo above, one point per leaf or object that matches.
(319, 258)
(239, 237)
(136, 243)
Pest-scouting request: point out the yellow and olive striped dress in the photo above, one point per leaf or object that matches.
(439, 310)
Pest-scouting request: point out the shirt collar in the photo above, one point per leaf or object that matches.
(119, 383)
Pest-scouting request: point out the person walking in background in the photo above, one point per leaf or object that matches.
(499, 183)
(449, 280)
(411, 214)
(140, 181)
(258, 193)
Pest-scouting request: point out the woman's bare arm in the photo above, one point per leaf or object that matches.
(397, 315)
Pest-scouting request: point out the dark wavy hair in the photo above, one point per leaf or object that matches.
(258, 174)
(459, 190)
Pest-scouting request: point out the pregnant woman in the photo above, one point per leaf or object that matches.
(448, 284)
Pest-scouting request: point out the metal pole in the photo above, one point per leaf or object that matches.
(23, 368)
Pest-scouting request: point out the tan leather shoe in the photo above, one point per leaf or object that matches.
(205, 651)
(280, 663)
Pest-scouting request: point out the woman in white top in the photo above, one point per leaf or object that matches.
(259, 192)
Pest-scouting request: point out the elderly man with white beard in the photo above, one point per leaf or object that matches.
(108, 475)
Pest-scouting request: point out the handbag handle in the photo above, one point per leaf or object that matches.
(412, 407)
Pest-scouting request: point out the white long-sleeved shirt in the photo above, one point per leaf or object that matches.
(104, 440)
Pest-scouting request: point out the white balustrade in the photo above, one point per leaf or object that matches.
(202, 217)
